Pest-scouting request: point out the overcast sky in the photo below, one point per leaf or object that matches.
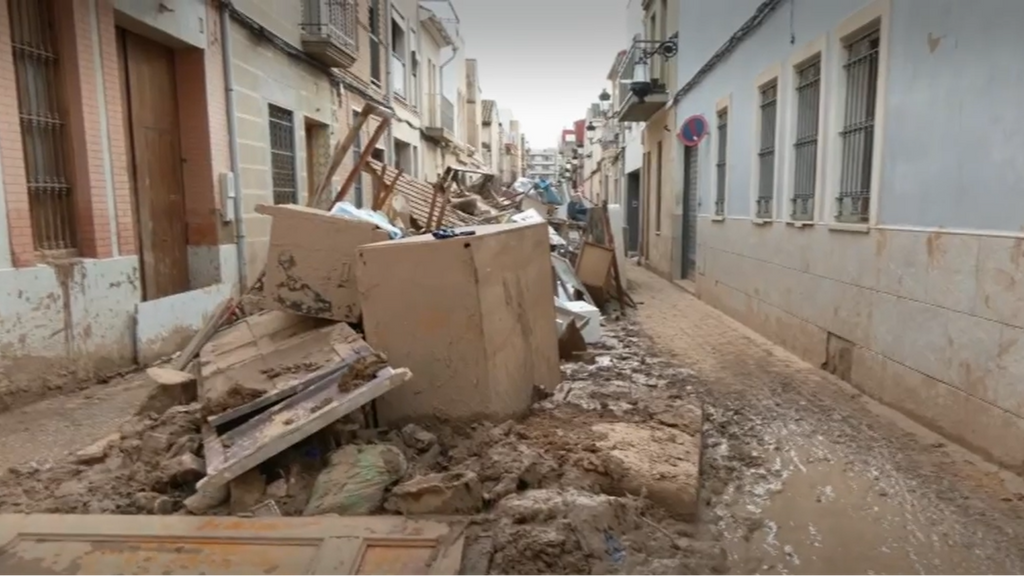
(546, 60)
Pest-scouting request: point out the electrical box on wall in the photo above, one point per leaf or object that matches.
(227, 196)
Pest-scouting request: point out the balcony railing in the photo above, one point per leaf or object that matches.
(447, 114)
(398, 76)
(439, 117)
(643, 63)
(330, 31)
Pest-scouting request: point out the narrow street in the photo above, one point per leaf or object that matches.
(803, 474)
(800, 474)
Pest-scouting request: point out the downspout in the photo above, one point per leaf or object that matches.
(389, 136)
(229, 94)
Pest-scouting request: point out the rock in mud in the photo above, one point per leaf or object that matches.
(247, 491)
(448, 493)
(417, 438)
(656, 461)
(169, 388)
(97, 451)
(355, 479)
(207, 499)
(153, 503)
(185, 469)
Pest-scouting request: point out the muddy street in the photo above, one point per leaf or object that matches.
(800, 473)
(803, 474)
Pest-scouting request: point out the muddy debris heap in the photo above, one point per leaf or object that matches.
(418, 376)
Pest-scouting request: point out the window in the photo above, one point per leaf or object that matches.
(414, 79)
(657, 197)
(720, 161)
(282, 155)
(41, 114)
(398, 51)
(376, 75)
(805, 148)
(857, 135)
(357, 151)
(766, 150)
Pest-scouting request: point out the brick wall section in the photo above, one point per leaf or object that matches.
(127, 239)
(80, 70)
(12, 154)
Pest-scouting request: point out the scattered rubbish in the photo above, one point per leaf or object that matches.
(348, 210)
(355, 480)
(446, 493)
(591, 329)
(445, 233)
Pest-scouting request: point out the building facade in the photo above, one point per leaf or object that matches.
(115, 231)
(832, 216)
(542, 163)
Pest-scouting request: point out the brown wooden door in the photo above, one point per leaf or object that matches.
(150, 87)
(115, 544)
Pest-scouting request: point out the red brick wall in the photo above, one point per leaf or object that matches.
(204, 140)
(12, 154)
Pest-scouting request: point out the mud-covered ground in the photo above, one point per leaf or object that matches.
(800, 473)
(803, 474)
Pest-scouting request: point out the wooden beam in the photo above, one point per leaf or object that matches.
(357, 170)
(341, 151)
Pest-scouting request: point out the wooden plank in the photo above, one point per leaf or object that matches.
(364, 157)
(200, 338)
(418, 194)
(341, 152)
(292, 421)
(619, 290)
(359, 350)
(146, 544)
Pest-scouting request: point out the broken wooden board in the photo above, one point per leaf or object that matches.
(95, 544)
(418, 195)
(230, 454)
(570, 340)
(267, 352)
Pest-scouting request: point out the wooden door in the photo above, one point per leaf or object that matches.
(150, 88)
(115, 544)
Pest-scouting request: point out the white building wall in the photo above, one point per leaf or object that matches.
(920, 307)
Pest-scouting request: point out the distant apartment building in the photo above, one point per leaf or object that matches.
(542, 164)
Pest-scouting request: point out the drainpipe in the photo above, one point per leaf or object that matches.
(389, 137)
(229, 93)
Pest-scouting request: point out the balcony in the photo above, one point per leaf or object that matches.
(329, 31)
(398, 77)
(440, 119)
(638, 74)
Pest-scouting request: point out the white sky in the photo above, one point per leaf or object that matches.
(546, 60)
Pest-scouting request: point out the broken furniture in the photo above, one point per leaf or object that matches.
(418, 196)
(100, 544)
(310, 261)
(473, 318)
(291, 376)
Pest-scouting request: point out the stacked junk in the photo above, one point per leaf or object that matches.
(451, 302)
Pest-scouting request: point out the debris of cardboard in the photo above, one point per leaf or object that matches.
(290, 411)
(310, 261)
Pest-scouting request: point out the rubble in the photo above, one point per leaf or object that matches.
(441, 493)
(355, 480)
(450, 400)
(170, 388)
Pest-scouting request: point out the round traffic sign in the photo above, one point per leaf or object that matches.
(693, 130)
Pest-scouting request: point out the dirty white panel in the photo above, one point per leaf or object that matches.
(83, 308)
(164, 325)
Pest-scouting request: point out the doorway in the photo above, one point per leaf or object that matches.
(689, 267)
(153, 133)
(633, 212)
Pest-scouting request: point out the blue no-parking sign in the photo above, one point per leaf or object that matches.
(693, 130)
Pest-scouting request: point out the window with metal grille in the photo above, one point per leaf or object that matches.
(805, 148)
(357, 151)
(858, 134)
(43, 131)
(282, 155)
(720, 161)
(766, 150)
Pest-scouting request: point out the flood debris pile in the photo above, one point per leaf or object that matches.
(464, 372)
